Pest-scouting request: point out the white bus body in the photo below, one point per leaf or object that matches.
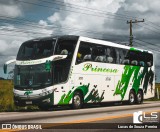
(97, 71)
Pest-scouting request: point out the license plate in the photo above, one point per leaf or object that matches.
(28, 102)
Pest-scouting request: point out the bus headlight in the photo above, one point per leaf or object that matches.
(46, 93)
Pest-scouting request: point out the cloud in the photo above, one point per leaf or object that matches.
(135, 7)
(10, 10)
(78, 21)
(43, 23)
(4, 46)
(54, 18)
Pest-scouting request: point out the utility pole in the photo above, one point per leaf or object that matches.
(131, 35)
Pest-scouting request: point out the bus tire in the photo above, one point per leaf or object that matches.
(77, 101)
(139, 97)
(132, 97)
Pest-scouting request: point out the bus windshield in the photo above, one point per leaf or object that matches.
(32, 76)
(36, 50)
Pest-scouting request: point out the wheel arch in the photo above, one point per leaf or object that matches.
(133, 90)
(83, 90)
(80, 91)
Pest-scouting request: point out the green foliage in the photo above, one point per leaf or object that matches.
(6, 98)
(157, 86)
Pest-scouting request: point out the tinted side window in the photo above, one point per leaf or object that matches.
(62, 67)
(65, 47)
(36, 50)
(134, 58)
(145, 59)
(84, 52)
(98, 53)
(122, 56)
(149, 59)
(111, 55)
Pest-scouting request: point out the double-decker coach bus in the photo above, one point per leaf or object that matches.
(63, 70)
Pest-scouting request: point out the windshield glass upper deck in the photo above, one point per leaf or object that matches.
(36, 50)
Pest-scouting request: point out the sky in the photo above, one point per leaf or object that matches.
(21, 20)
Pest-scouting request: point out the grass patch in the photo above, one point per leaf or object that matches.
(157, 86)
(6, 98)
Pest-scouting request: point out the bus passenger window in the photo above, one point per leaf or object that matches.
(148, 59)
(141, 63)
(110, 55)
(134, 58)
(124, 57)
(84, 53)
(65, 47)
(109, 58)
(117, 60)
(98, 53)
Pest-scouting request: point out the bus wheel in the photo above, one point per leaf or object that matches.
(77, 102)
(139, 99)
(132, 97)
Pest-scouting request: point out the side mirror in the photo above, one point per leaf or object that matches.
(5, 68)
(6, 64)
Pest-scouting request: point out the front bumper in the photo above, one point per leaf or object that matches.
(41, 101)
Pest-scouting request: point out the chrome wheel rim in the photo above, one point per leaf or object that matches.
(132, 98)
(77, 100)
(139, 97)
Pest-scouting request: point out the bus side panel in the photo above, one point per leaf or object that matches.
(100, 78)
(93, 92)
(135, 77)
(62, 94)
(100, 85)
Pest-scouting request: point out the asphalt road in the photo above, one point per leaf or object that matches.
(96, 118)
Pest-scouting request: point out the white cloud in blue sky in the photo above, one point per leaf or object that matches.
(11, 10)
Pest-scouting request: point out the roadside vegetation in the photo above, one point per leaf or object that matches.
(6, 98)
(155, 98)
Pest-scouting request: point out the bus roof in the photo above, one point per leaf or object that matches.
(91, 40)
(108, 43)
(70, 37)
